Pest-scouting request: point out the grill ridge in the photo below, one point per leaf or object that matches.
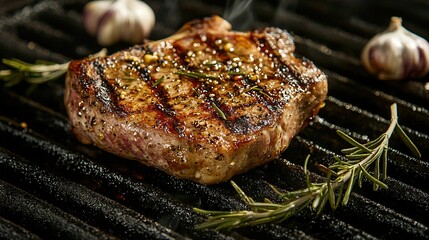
(8, 228)
(80, 201)
(42, 218)
(116, 186)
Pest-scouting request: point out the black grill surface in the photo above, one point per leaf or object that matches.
(52, 186)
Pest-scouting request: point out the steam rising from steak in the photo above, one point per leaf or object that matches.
(204, 104)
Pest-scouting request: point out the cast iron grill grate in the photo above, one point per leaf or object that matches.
(51, 186)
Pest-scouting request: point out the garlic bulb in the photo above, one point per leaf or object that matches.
(120, 20)
(396, 53)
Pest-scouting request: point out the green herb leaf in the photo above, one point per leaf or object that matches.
(372, 178)
(219, 111)
(353, 142)
(407, 141)
(40, 72)
(358, 159)
(158, 81)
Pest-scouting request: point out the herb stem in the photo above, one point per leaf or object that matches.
(37, 73)
(347, 172)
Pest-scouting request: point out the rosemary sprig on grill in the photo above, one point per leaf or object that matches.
(33, 73)
(39, 72)
(340, 180)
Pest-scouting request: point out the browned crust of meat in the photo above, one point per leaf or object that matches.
(142, 104)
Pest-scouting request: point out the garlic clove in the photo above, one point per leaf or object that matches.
(120, 20)
(132, 31)
(92, 12)
(107, 33)
(144, 18)
(396, 53)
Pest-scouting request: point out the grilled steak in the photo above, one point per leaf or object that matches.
(204, 104)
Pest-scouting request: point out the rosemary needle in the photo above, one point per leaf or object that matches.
(158, 81)
(216, 108)
(219, 111)
(358, 159)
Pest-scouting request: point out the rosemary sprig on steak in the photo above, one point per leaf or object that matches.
(340, 180)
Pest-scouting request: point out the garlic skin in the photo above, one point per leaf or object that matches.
(396, 53)
(120, 20)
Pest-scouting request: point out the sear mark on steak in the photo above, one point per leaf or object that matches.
(204, 104)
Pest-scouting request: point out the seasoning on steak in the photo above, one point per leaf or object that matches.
(205, 104)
